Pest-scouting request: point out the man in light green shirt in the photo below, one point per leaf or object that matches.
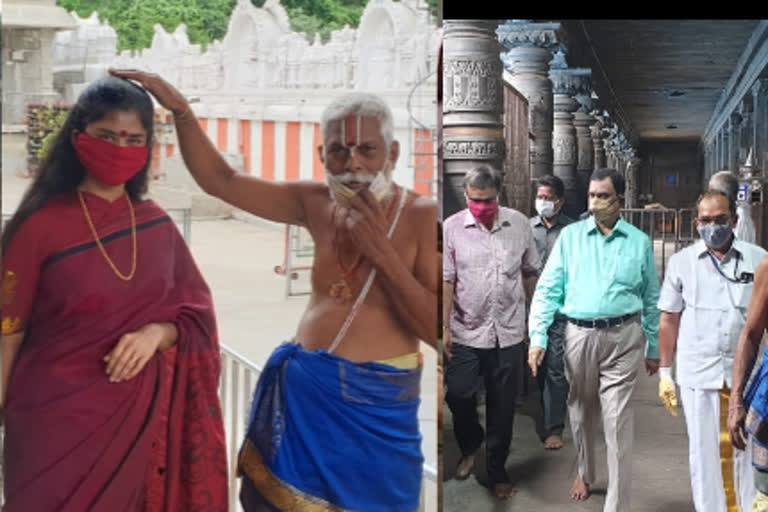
(601, 275)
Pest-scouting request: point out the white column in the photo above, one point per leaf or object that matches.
(279, 150)
(256, 148)
(306, 150)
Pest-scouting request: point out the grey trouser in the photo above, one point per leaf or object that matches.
(601, 366)
(552, 381)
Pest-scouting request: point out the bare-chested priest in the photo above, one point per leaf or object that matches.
(334, 420)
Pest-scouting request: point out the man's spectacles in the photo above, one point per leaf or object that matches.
(720, 219)
(482, 200)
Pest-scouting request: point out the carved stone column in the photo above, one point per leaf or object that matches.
(472, 105)
(566, 84)
(760, 123)
(735, 138)
(596, 131)
(585, 161)
(745, 138)
(633, 170)
(530, 48)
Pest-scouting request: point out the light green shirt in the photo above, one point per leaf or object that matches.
(590, 276)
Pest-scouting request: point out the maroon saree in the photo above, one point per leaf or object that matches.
(73, 440)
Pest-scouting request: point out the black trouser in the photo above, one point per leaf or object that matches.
(552, 381)
(501, 369)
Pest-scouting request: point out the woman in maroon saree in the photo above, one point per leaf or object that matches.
(109, 345)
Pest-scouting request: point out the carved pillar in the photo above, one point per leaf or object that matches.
(760, 123)
(733, 147)
(746, 126)
(472, 105)
(597, 145)
(566, 84)
(716, 154)
(633, 170)
(529, 48)
(585, 161)
(610, 156)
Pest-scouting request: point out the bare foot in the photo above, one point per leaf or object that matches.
(580, 490)
(464, 469)
(553, 443)
(504, 491)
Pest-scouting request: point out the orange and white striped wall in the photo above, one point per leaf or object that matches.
(287, 150)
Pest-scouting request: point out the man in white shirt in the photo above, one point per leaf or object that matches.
(704, 300)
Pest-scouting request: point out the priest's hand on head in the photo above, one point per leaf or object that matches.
(166, 94)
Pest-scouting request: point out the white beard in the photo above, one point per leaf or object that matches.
(379, 185)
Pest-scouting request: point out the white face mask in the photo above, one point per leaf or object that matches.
(379, 185)
(545, 208)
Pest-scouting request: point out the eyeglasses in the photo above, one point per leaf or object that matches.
(720, 219)
(481, 200)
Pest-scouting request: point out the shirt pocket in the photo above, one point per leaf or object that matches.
(627, 271)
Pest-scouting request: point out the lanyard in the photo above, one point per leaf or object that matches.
(738, 280)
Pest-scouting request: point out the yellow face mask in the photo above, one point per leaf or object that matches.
(604, 210)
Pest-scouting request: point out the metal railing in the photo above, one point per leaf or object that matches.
(299, 248)
(669, 230)
(238, 377)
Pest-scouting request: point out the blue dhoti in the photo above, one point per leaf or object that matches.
(756, 404)
(329, 434)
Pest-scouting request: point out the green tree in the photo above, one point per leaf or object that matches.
(207, 20)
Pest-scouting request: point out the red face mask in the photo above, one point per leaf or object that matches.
(109, 163)
(483, 212)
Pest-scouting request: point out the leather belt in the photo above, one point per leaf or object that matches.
(602, 323)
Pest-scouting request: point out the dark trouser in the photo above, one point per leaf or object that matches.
(552, 381)
(501, 370)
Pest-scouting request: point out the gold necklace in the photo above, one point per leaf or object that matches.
(98, 240)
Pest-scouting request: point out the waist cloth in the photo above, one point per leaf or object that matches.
(327, 434)
(756, 404)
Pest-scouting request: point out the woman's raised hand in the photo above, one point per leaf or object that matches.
(166, 94)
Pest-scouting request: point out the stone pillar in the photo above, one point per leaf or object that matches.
(585, 161)
(566, 84)
(716, 153)
(760, 123)
(597, 144)
(472, 105)
(745, 139)
(529, 50)
(735, 137)
(632, 189)
(610, 152)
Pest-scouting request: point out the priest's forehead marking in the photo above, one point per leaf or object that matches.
(350, 130)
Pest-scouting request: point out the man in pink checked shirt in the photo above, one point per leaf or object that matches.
(488, 251)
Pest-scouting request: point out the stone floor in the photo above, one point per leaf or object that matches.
(660, 480)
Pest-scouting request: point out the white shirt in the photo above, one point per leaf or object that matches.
(714, 310)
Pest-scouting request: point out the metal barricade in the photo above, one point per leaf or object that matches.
(183, 219)
(238, 377)
(661, 226)
(298, 256)
(686, 234)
